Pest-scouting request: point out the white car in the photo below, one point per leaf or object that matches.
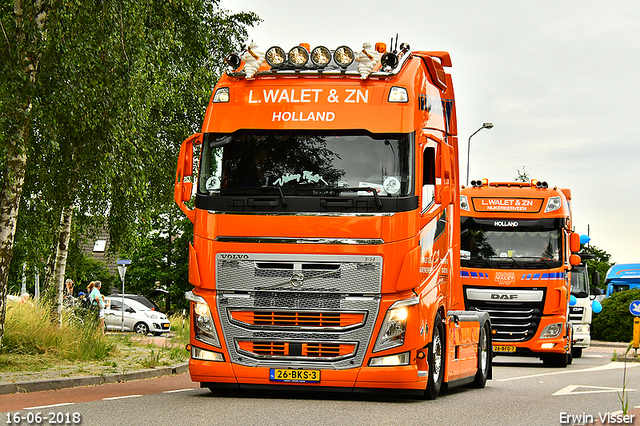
(137, 317)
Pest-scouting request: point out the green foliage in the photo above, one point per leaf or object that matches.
(29, 331)
(615, 322)
(598, 260)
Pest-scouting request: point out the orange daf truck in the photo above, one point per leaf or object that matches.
(326, 226)
(517, 250)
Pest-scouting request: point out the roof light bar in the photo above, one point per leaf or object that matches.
(276, 57)
(343, 56)
(320, 56)
(298, 56)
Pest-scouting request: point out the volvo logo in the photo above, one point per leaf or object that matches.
(297, 279)
(235, 256)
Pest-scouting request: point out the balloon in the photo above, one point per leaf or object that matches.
(572, 300)
(596, 307)
(584, 239)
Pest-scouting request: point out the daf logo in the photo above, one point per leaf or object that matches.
(504, 296)
(297, 279)
(235, 256)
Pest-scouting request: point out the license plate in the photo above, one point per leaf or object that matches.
(165, 326)
(298, 376)
(503, 349)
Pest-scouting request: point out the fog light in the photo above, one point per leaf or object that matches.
(390, 360)
(204, 355)
(548, 345)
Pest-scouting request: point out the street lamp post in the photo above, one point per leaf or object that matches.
(484, 126)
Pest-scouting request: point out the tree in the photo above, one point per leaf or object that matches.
(597, 260)
(23, 27)
(119, 86)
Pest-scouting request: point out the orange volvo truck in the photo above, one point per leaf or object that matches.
(517, 250)
(326, 226)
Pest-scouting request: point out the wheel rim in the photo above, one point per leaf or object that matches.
(141, 329)
(483, 349)
(437, 356)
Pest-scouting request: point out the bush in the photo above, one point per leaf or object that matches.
(615, 322)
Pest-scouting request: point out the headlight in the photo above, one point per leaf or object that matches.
(203, 326)
(202, 354)
(583, 329)
(553, 204)
(398, 94)
(394, 326)
(464, 203)
(152, 315)
(551, 331)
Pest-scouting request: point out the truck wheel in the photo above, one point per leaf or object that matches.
(576, 352)
(556, 360)
(436, 360)
(483, 359)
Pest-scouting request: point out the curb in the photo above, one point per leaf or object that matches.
(71, 382)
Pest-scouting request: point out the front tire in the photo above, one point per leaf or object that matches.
(141, 328)
(576, 352)
(437, 355)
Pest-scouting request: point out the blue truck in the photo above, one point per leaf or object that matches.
(623, 276)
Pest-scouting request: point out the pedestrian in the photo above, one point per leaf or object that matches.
(98, 300)
(68, 292)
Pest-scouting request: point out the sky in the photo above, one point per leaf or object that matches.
(559, 79)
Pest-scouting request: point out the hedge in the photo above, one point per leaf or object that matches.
(615, 322)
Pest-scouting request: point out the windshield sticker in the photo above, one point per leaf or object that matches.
(391, 185)
(213, 183)
(306, 177)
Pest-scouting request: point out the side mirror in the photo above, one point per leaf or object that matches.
(597, 291)
(182, 190)
(574, 243)
(595, 279)
(574, 259)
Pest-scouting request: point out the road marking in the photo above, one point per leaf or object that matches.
(571, 390)
(120, 397)
(178, 390)
(49, 406)
(610, 366)
(592, 356)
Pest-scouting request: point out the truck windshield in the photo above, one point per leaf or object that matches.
(579, 281)
(307, 163)
(512, 244)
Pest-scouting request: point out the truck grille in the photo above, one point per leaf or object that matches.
(300, 310)
(511, 321)
(576, 313)
(298, 319)
(296, 350)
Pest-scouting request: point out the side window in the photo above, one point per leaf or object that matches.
(428, 176)
(115, 305)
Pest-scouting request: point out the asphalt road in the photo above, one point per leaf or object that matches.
(522, 392)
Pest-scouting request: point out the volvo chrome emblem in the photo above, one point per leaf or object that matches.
(297, 279)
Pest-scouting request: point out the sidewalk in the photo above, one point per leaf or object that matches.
(126, 368)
